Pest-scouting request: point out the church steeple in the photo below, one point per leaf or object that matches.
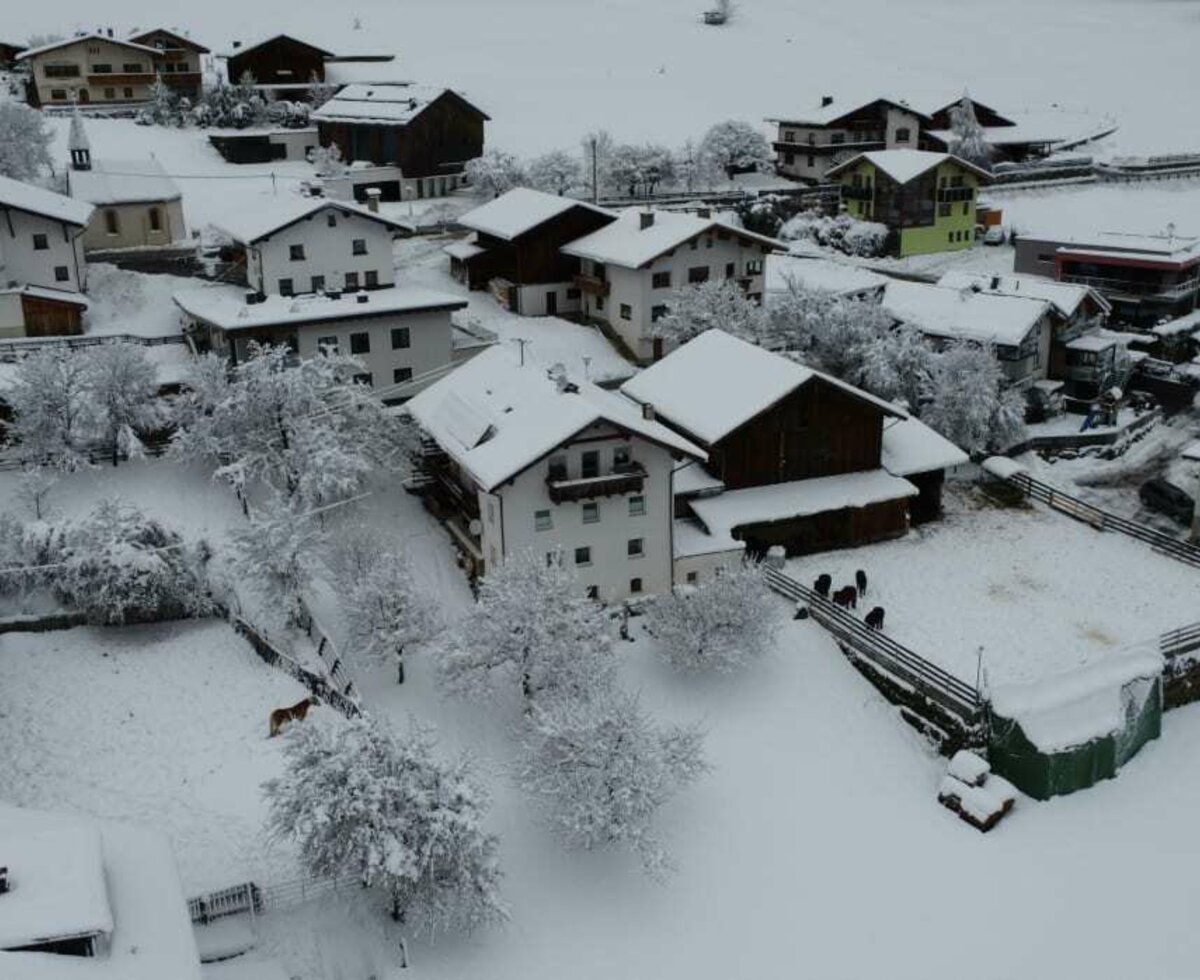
(78, 145)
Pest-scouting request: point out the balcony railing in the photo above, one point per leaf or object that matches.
(861, 193)
(1130, 287)
(627, 480)
(593, 285)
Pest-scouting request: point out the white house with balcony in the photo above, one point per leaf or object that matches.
(630, 267)
(43, 271)
(523, 459)
(1018, 329)
(298, 245)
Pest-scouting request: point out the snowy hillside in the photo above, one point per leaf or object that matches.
(548, 71)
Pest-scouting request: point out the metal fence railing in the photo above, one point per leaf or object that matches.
(1177, 642)
(250, 898)
(10, 350)
(934, 683)
(1103, 520)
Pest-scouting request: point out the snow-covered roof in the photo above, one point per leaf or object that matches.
(1064, 296)
(57, 891)
(123, 182)
(717, 382)
(50, 295)
(520, 210)
(725, 512)
(226, 307)
(465, 249)
(391, 103)
(34, 200)
(369, 72)
(1118, 244)
(910, 446)
(241, 45)
(150, 929)
(905, 165)
(627, 244)
(963, 313)
(820, 274)
(66, 42)
(689, 539)
(252, 225)
(1035, 126)
(141, 38)
(1069, 709)
(1095, 342)
(1191, 452)
(1002, 467)
(824, 115)
(691, 477)
(495, 416)
(1188, 323)
(245, 967)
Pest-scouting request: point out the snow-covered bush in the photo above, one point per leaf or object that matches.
(598, 770)
(359, 800)
(842, 232)
(496, 172)
(276, 554)
(386, 610)
(50, 404)
(970, 141)
(305, 429)
(825, 331)
(732, 147)
(24, 142)
(969, 402)
(14, 556)
(720, 625)
(122, 390)
(555, 172)
(532, 629)
(116, 565)
(898, 365)
(719, 303)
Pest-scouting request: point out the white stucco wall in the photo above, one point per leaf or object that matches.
(509, 522)
(12, 315)
(88, 85)
(705, 566)
(23, 264)
(634, 287)
(532, 299)
(328, 252)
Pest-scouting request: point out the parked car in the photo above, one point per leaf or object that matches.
(1164, 497)
(994, 236)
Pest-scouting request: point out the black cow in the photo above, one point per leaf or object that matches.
(875, 618)
(846, 597)
(860, 579)
(822, 585)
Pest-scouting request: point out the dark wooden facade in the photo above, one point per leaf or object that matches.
(439, 140)
(845, 528)
(8, 54)
(817, 430)
(49, 318)
(927, 505)
(535, 256)
(280, 61)
(986, 115)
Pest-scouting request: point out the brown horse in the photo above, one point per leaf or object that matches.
(281, 716)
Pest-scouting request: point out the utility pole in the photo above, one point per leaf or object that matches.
(521, 342)
(595, 173)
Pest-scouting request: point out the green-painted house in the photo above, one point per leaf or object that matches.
(926, 199)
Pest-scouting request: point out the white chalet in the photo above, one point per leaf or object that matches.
(301, 245)
(1017, 328)
(42, 266)
(630, 267)
(524, 459)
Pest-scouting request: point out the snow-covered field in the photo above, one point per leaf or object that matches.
(1039, 592)
(1085, 209)
(163, 724)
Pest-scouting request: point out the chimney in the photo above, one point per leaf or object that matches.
(995, 282)
(826, 100)
(236, 45)
(253, 297)
(704, 213)
(3, 880)
(647, 219)
(648, 411)
(373, 195)
(110, 34)
(362, 297)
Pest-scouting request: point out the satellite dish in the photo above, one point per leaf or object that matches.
(475, 527)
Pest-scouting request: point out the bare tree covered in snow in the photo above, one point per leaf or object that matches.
(122, 390)
(34, 486)
(49, 401)
(597, 154)
(598, 770)
(308, 431)
(496, 172)
(825, 331)
(24, 142)
(969, 402)
(358, 800)
(688, 165)
(640, 169)
(898, 365)
(734, 146)
(532, 628)
(970, 141)
(555, 172)
(719, 303)
(387, 610)
(116, 565)
(319, 92)
(276, 555)
(720, 625)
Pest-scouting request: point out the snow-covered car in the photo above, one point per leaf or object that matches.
(1166, 498)
(994, 236)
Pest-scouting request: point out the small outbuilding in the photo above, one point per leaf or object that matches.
(1068, 732)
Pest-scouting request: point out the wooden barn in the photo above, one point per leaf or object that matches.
(422, 131)
(796, 458)
(516, 249)
(283, 63)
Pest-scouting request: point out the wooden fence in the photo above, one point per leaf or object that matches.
(1103, 520)
(1177, 642)
(253, 899)
(940, 687)
(10, 350)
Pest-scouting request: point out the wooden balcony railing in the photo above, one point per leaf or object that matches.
(628, 480)
(593, 285)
